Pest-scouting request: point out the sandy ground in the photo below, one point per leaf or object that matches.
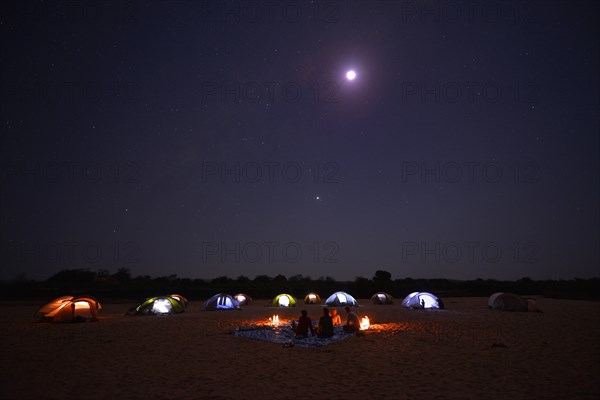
(463, 352)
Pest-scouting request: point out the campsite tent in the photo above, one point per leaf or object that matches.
(70, 309)
(158, 305)
(382, 298)
(493, 298)
(422, 300)
(532, 306)
(341, 299)
(284, 300)
(243, 299)
(312, 298)
(511, 302)
(221, 301)
(180, 298)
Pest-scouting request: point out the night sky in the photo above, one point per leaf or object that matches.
(223, 138)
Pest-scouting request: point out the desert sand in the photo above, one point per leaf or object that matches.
(464, 352)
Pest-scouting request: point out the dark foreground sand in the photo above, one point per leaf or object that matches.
(464, 352)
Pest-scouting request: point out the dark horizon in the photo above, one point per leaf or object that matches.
(121, 284)
(367, 275)
(206, 139)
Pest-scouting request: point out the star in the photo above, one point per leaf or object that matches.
(351, 75)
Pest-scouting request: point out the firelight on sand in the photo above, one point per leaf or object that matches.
(364, 324)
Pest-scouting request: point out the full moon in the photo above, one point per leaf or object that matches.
(350, 75)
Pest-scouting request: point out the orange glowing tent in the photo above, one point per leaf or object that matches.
(382, 298)
(70, 309)
(180, 298)
(243, 299)
(312, 298)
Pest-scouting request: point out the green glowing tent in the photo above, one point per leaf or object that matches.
(284, 300)
(158, 305)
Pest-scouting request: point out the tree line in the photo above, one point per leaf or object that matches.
(121, 284)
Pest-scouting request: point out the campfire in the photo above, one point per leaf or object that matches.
(364, 324)
(274, 320)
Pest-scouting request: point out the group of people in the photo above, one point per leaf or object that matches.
(326, 323)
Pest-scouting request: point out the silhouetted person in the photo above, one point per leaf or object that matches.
(325, 324)
(304, 324)
(441, 304)
(352, 322)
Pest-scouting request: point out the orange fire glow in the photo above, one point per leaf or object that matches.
(365, 324)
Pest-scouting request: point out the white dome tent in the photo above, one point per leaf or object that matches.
(221, 301)
(422, 300)
(511, 302)
(341, 299)
(493, 298)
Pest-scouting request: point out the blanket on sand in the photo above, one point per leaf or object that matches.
(284, 335)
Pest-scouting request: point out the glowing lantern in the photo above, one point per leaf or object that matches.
(284, 301)
(162, 306)
(364, 324)
(81, 305)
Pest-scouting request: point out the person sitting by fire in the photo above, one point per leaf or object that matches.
(352, 322)
(303, 325)
(335, 317)
(325, 328)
